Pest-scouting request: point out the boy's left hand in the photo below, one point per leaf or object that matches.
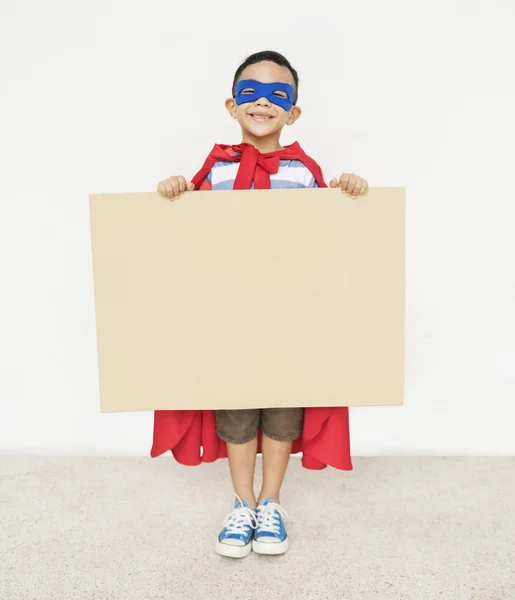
(350, 184)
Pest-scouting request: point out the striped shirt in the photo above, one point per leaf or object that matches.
(291, 174)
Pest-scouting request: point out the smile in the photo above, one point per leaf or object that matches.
(260, 118)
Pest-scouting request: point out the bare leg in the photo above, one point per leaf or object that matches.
(276, 456)
(242, 464)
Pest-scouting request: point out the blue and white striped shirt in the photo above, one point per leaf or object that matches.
(291, 174)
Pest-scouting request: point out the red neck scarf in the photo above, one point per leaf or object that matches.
(256, 167)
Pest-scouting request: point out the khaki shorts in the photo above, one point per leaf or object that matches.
(241, 426)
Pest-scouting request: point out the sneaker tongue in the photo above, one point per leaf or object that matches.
(239, 504)
(267, 501)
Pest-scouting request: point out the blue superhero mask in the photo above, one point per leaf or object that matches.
(274, 92)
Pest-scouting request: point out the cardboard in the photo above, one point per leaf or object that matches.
(249, 299)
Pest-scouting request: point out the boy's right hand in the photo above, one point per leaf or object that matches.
(174, 186)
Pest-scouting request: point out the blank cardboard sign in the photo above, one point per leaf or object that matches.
(249, 299)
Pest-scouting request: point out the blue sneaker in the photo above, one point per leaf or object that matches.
(270, 535)
(235, 540)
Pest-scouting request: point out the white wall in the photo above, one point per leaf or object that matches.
(112, 96)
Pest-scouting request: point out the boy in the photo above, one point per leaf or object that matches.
(264, 100)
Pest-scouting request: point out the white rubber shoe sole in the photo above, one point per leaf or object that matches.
(270, 548)
(233, 551)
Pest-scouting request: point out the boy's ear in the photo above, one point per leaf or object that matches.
(295, 113)
(230, 105)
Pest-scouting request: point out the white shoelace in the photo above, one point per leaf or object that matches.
(239, 519)
(268, 519)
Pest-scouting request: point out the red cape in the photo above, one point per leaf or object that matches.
(191, 437)
(191, 434)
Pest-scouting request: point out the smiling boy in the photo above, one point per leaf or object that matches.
(263, 101)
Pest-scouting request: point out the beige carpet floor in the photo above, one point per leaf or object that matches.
(145, 529)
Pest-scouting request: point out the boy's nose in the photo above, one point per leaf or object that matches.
(263, 100)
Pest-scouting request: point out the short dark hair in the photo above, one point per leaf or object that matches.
(274, 57)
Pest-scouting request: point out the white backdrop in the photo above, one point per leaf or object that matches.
(113, 96)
